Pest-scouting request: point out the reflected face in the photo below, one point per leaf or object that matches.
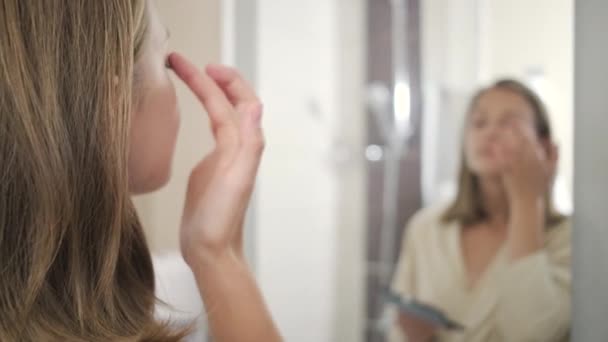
(494, 112)
(155, 120)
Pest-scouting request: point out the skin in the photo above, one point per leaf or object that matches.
(155, 120)
(219, 187)
(515, 169)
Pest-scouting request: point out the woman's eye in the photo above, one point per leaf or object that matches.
(505, 123)
(479, 123)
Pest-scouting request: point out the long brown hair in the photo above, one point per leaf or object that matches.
(468, 206)
(74, 263)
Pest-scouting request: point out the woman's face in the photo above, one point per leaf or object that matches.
(155, 120)
(495, 111)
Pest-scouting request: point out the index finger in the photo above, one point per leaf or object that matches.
(523, 128)
(206, 90)
(521, 135)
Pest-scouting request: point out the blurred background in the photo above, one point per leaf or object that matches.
(338, 181)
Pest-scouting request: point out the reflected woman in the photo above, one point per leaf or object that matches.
(497, 259)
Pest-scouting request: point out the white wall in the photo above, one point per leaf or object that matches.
(299, 223)
(350, 172)
(296, 237)
(451, 59)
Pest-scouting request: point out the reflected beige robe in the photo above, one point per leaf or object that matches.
(525, 300)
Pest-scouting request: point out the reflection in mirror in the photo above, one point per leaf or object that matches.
(497, 256)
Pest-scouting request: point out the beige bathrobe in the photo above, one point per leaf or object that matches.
(525, 300)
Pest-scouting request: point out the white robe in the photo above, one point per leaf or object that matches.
(525, 300)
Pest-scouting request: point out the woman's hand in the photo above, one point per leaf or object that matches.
(220, 186)
(529, 164)
(218, 194)
(416, 329)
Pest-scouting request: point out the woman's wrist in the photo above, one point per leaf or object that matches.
(519, 192)
(231, 295)
(527, 223)
(528, 205)
(205, 258)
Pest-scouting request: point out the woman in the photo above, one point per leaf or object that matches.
(497, 260)
(88, 116)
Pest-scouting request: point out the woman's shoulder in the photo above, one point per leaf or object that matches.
(429, 218)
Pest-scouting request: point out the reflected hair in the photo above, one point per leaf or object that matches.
(468, 208)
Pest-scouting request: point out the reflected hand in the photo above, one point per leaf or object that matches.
(528, 164)
(416, 329)
(220, 186)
